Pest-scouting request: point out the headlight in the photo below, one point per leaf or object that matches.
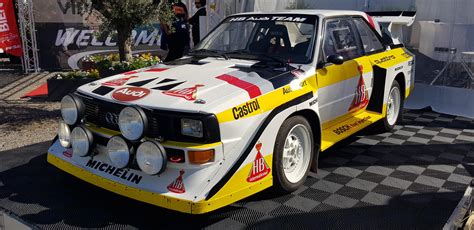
(118, 151)
(81, 141)
(191, 127)
(72, 109)
(151, 157)
(64, 134)
(132, 123)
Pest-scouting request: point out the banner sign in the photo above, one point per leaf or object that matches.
(66, 34)
(9, 37)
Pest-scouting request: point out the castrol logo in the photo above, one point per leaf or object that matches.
(130, 93)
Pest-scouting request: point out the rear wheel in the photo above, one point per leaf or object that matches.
(293, 154)
(394, 109)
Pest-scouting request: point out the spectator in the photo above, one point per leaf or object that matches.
(194, 20)
(177, 38)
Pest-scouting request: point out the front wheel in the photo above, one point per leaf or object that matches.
(394, 109)
(293, 154)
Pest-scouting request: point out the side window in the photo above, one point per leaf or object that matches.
(340, 38)
(370, 41)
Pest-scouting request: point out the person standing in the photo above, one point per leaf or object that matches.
(194, 20)
(178, 37)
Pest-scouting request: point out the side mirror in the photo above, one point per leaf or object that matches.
(335, 59)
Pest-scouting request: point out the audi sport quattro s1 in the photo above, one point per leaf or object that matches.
(252, 106)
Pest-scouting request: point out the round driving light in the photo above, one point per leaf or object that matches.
(151, 157)
(72, 109)
(132, 123)
(81, 141)
(118, 151)
(64, 134)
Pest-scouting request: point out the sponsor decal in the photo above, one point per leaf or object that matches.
(177, 186)
(406, 55)
(361, 97)
(130, 93)
(345, 128)
(10, 41)
(118, 82)
(398, 68)
(384, 59)
(259, 168)
(68, 153)
(123, 174)
(311, 103)
(186, 93)
(288, 89)
(245, 109)
(252, 90)
(269, 18)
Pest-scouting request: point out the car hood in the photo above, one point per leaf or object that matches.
(210, 85)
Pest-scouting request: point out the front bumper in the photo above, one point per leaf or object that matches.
(197, 179)
(124, 190)
(229, 194)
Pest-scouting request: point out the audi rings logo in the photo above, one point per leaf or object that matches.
(112, 118)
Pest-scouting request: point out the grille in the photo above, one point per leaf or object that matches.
(96, 113)
(161, 124)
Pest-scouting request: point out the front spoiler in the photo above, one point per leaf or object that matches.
(229, 193)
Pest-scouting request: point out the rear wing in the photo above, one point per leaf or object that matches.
(391, 23)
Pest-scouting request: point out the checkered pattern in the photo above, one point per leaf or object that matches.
(394, 180)
(411, 178)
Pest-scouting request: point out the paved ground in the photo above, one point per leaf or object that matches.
(411, 178)
(25, 121)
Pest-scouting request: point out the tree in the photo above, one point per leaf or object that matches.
(122, 16)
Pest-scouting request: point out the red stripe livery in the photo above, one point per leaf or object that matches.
(251, 89)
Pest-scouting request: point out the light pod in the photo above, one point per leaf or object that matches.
(81, 141)
(118, 151)
(151, 157)
(64, 134)
(133, 123)
(72, 109)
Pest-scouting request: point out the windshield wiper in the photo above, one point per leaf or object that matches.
(212, 52)
(268, 56)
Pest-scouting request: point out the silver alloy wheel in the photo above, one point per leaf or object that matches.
(296, 153)
(393, 106)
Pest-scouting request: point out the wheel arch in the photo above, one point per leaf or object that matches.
(313, 119)
(400, 78)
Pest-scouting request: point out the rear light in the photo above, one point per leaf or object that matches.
(201, 157)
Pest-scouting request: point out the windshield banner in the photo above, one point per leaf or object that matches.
(276, 18)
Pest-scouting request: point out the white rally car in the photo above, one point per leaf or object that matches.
(251, 107)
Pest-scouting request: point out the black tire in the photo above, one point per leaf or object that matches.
(280, 182)
(384, 125)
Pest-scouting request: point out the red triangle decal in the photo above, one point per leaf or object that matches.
(186, 93)
(177, 186)
(259, 168)
(361, 97)
(118, 82)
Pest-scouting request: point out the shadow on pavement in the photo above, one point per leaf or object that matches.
(43, 195)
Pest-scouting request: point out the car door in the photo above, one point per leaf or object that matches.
(342, 88)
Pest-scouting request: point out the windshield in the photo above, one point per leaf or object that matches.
(274, 37)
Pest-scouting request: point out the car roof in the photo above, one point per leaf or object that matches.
(320, 13)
